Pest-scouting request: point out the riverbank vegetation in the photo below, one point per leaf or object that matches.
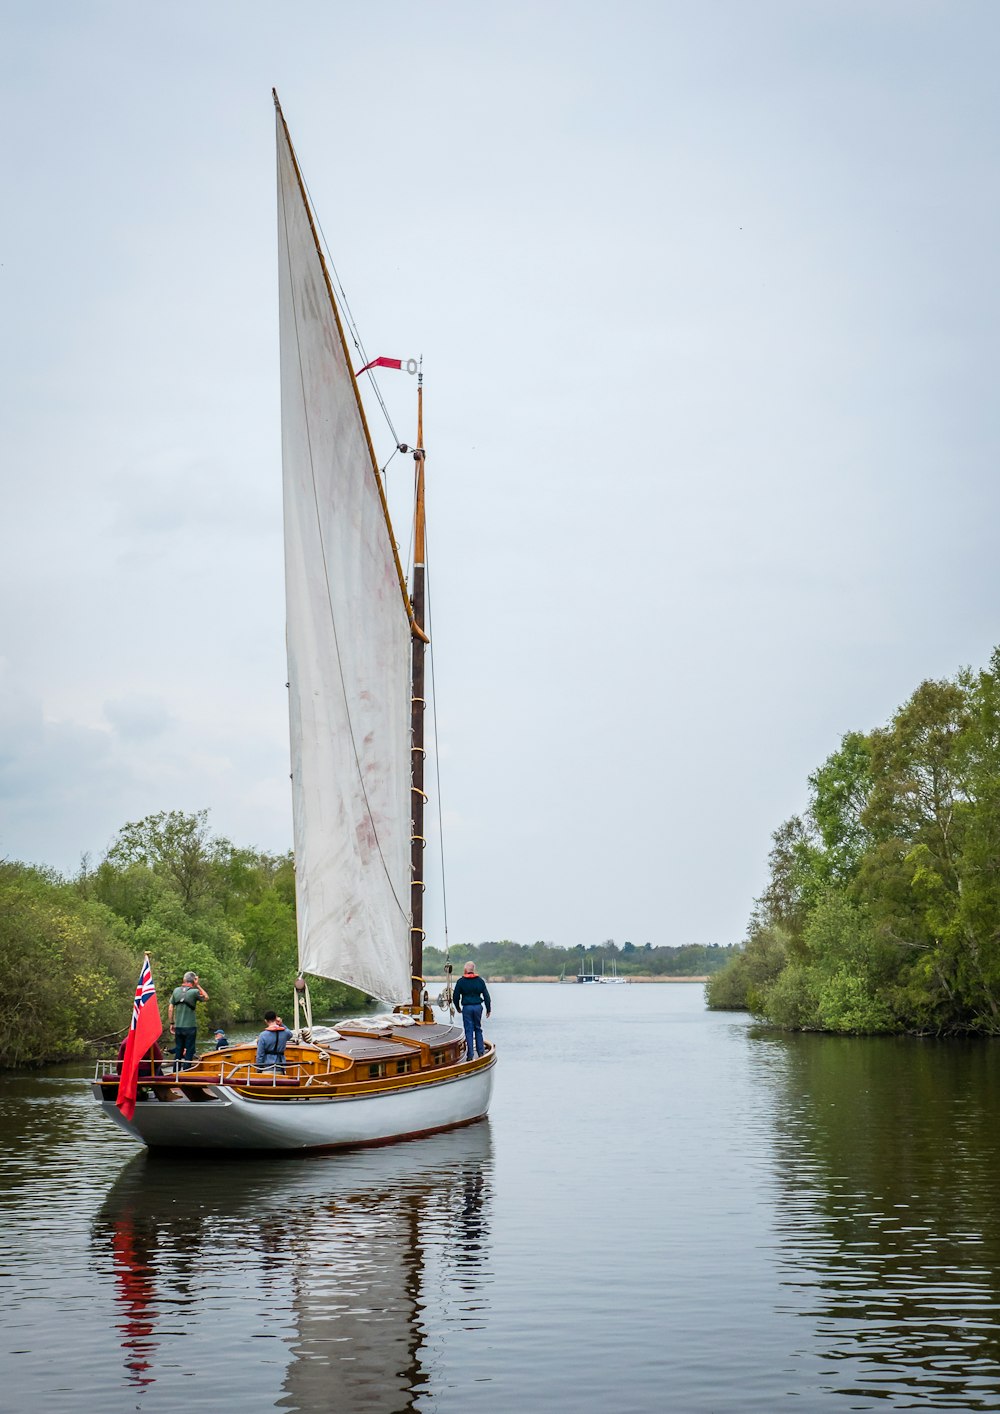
(882, 911)
(70, 950)
(517, 960)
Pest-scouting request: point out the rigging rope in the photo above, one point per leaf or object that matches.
(349, 318)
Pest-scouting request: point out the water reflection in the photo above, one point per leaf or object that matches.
(356, 1263)
(136, 1295)
(887, 1215)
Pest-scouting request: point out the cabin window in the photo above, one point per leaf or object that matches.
(402, 1067)
(439, 1057)
(374, 1071)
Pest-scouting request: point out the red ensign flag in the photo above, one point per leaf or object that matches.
(145, 1030)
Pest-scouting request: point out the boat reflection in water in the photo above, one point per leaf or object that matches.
(356, 1261)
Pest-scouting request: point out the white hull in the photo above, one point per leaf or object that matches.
(230, 1120)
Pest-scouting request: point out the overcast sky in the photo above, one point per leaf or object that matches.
(707, 297)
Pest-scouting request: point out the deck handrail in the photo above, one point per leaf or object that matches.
(242, 1072)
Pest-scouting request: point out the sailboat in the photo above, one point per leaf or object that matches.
(356, 638)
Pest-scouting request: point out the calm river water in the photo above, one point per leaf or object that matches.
(668, 1210)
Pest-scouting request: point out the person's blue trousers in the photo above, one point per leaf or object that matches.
(472, 1020)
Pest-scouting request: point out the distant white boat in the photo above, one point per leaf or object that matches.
(611, 979)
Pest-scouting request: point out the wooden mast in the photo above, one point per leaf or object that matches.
(417, 708)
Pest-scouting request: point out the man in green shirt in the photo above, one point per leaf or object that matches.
(182, 1017)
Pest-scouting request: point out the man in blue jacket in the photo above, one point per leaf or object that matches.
(271, 1043)
(470, 996)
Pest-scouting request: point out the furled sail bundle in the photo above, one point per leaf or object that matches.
(348, 639)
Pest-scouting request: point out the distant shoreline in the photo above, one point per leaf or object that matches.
(569, 981)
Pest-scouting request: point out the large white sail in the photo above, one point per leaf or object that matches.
(348, 642)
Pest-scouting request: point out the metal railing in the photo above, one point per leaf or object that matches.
(241, 1073)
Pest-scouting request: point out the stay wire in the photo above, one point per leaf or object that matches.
(383, 471)
(437, 755)
(349, 318)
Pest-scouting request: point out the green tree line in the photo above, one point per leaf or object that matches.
(70, 950)
(882, 909)
(508, 959)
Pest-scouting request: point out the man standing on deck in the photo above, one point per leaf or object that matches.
(182, 1018)
(470, 995)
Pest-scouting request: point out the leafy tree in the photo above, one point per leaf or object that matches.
(888, 890)
(65, 966)
(841, 790)
(175, 846)
(794, 879)
(744, 980)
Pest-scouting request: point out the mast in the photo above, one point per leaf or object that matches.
(418, 706)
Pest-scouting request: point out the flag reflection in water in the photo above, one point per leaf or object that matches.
(359, 1263)
(136, 1295)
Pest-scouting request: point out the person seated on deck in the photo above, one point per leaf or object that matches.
(221, 1039)
(271, 1043)
(149, 1065)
